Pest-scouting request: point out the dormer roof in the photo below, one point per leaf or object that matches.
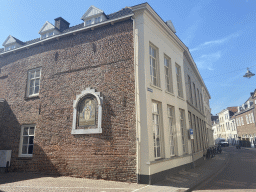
(10, 39)
(92, 12)
(47, 27)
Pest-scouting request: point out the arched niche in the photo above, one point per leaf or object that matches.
(87, 112)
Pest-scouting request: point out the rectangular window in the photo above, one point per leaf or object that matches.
(252, 117)
(183, 129)
(89, 22)
(97, 20)
(195, 133)
(156, 129)
(191, 127)
(179, 80)
(153, 66)
(190, 90)
(33, 84)
(199, 103)
(242, 120)
(195, 94)
(202, 104)
(247, 120)
(50, 34)
(171, 118)
(168, 74)
(27, 141)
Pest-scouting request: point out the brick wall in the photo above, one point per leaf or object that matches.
(101, 59)
(246, 128)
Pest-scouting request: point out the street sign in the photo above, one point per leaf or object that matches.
(191, 134)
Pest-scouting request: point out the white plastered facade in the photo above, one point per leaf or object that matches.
(148, 31)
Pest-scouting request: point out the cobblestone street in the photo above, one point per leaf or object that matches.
(238, 175)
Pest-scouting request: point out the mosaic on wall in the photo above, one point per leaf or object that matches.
(87, 112)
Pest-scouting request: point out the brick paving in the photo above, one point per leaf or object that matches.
(183, 181)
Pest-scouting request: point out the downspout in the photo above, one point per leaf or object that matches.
(137, 103)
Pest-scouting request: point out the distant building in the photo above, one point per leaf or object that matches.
(224, 125)
(245, 120)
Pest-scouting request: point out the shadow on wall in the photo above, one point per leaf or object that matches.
(10, 130)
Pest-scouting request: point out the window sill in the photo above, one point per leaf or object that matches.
(24, 158)
(159, 88)
(180, 98)
(161, 160)
(170, 93)
(32, 97)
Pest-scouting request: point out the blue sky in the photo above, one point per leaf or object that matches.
(219, 33)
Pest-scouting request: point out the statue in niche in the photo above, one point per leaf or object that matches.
(87, 111)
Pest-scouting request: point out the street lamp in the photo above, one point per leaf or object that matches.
(248, 74)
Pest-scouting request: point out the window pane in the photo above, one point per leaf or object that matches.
(30, 149)
(154, 52)
(32, 75)
(25, 140)
(36, 89)
(38, 73)
(31, 131)
(31, 139)
(32, 83)
(24, 149)
(31, 90)
(37, 82)
(25, 131)
(158, 151)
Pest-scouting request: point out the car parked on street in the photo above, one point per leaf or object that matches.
(224, 144)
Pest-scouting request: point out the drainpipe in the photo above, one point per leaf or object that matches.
(137, 103)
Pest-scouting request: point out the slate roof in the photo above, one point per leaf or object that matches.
(118, 14)
(18, 41)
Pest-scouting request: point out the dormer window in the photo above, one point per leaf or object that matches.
(10, 47)
(12, 43)
(48, 30)
(93, 16)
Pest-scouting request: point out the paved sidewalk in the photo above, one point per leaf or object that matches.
(183, 181)
(192, 178)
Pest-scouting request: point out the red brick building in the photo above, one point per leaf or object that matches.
(101, 59)
(245, 120)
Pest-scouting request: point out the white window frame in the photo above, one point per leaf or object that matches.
(172, 129)
(97, 20)
(252, 117)
(33, 80)
(247, 120)
(183, 130)
(168, 74)
(22, 139)
(179, 80)
(157, 129)
(154, 70)
(88, 22)
(194, 87)
(190, 90)
(242, 120)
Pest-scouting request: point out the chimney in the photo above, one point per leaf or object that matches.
(61, 24)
